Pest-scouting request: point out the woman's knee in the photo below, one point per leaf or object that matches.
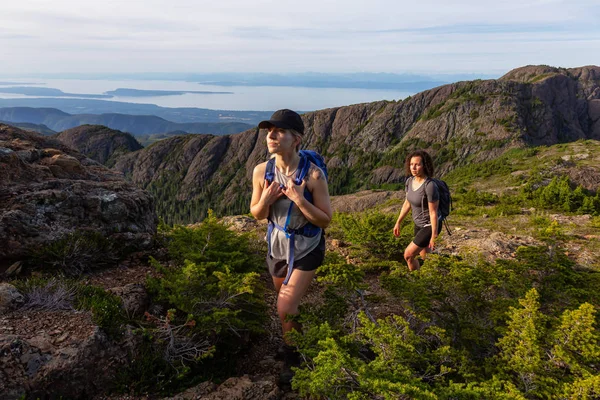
(286, 307)
(408, 255)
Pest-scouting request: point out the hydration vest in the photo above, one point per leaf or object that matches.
(310, 230)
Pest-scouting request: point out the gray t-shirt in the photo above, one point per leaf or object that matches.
(418, 199)
(278, 214)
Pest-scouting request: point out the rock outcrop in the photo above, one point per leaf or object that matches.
(56, 353)
(48, 190)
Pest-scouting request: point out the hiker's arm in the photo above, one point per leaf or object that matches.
(263, 194)
(403, 214)
(433, 217)
(319, 212)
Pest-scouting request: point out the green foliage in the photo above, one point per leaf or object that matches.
(539, 77)
(467, 299)
(502, 165)
(211, 195)
(150, 372)
(478, 198)
(560, 195)
(65, 294)
(522, 351)
(341, 274)
(213, 290)
(397, 155)
(107, 310)
(576, 342)
(77, 252)
(371, 234)
(433, 112)
(394, 370)
(509, 123)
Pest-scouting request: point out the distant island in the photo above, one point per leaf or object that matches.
(42, 91)
(92, 106)
(19, 83)
(153, 93)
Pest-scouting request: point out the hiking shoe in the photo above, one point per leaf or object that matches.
(280, 354)
(285, 376)
(291, 358)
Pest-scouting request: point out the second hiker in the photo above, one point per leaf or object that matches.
(422, 197)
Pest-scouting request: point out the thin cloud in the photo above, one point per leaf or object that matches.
(318, 35)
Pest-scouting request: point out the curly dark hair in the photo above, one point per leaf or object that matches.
(428, 168)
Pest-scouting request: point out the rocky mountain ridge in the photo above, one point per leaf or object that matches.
(365, 144)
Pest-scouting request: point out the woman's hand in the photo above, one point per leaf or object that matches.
(397, 229)
(294, 192)
(271, 192)
(432, 244)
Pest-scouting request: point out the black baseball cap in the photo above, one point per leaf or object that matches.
(284, 119)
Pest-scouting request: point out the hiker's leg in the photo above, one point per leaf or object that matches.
(277, 282)
(289, 296)
(410, 255)
(424, 252)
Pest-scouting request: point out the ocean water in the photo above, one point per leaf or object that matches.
(256, 98)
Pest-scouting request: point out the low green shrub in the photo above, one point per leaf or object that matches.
(513, 329)
(54, 294)
(478, 198)
(560, 195)
(107, 309)
(371, 235)
(213, 291)
(76, 253)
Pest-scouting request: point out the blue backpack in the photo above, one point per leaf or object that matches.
(310, 230)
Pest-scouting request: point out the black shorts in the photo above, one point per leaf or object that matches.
(313, 260)
(423, 235)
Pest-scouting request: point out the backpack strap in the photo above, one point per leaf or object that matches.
(303, 168)
(270, 170)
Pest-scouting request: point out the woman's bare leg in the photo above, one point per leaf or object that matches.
(410, 255)
(289, 296)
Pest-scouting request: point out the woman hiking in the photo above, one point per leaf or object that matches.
(291, 192)
(422, 197)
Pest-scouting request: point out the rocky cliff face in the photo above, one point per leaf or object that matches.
(99, 143)
(365, 144)
(48, 190)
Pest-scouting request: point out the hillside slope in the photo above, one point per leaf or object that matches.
(99, 143)
(365, 144)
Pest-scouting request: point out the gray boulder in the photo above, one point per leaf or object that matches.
(48, 190)
(10, 298)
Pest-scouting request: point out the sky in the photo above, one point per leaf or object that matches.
(397, 36)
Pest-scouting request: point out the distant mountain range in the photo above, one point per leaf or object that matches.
(180, 115)
(135, 124)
